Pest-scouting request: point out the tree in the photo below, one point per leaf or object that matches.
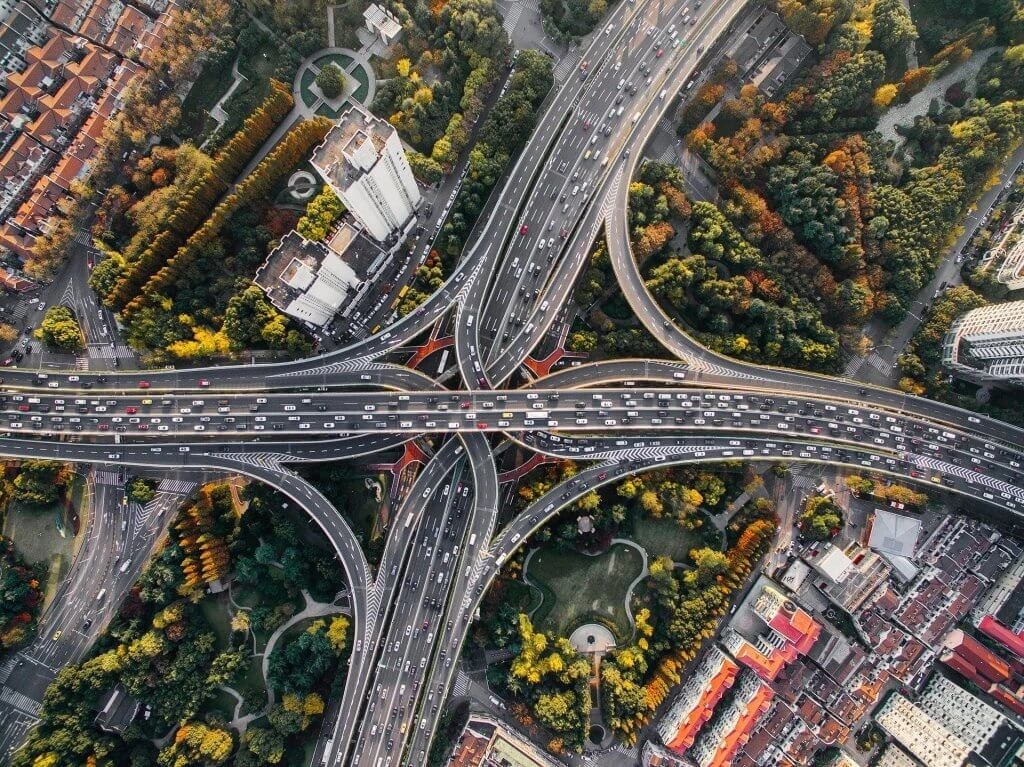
(197, 744)
(331, 81)
(891, 25)
(59, 329)
(141, 490)
(8, 333)
(821, 518)
(299, 665)
(40, 483)
(337, 633)
(266, 743)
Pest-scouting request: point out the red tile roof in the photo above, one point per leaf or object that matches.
(996, 631)
(987, 663)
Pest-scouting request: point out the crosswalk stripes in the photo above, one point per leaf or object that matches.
(461, 686)
(566, 65)
(633, 751)
(83, 238)
(81, 363)
(882, 366)
(106, 352)
(111, 478)
(853, 366)
(7, 668)
(176, 486)
(512, 17)
(21, 702)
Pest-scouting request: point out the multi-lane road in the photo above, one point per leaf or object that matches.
(511, 287)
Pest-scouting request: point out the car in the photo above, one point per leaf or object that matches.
(144, 384)
(524, 229)
(57, 634)
(203, 382)
(131, 409)
(481, 425)
(659, 53)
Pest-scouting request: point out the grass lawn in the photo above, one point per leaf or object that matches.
(224, 703)
(361, 91)
(215, 610)
(665, 537)
(252, 687)
(213, 82)
(45, 534)
(576, 584)
(308, 78)
(325, 110)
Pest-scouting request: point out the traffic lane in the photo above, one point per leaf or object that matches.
(571, 92)
(386, 587)
(856, 424)
(402, 644)
(684, 63)
(933, 472)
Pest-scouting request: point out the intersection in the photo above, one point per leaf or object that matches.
(411, 616)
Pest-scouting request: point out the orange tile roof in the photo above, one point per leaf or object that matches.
(67, 170)
(723, 679)
(766, 666)
(471, 750)
(740, 733)
(19, 243)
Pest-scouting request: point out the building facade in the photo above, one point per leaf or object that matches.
(363, 161)
(986, 345)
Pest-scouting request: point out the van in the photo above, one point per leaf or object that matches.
(618, 112)
(472, 539)
(636, 117)
(621, 83)
(125, 566)
(102, 594)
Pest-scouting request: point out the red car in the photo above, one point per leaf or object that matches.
(143, 427)
(103, 426)
(24, 408)
(203, 382)
(524, 229)
(481, 425)
(659, 53)
(466, 405)
(131, 409)
(143, 384)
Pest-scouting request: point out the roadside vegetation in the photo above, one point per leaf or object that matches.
(674, 609)
(823, 224)
(176, 645)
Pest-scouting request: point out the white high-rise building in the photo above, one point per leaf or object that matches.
(363, 161)
(987, 344)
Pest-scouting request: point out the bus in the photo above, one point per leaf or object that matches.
(327, 750)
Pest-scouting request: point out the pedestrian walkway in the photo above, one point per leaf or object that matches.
(883, 366)
(567, 65)
(111, 478)
(106, 351)
(21, 702)
(512, 17)
(460, 687)
(177, 486)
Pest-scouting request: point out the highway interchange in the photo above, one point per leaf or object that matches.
(411, 615)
